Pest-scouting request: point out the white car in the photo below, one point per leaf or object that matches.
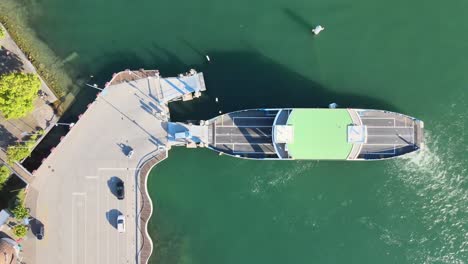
(130, 154)
(121, 223)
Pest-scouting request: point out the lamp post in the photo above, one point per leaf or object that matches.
(94, 86)
(70, 125)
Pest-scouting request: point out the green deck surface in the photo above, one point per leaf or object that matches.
(319, 134)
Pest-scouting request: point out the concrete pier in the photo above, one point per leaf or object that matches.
(75, 185)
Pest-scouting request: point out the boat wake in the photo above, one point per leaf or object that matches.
(437, 176)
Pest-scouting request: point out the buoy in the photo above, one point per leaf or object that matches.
(216, 99)
(208, 58)
(317, 29)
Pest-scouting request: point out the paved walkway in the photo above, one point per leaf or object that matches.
(42, 117)
(146, 206)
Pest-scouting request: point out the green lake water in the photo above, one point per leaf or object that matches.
(404, 56)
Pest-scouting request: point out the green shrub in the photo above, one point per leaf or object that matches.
(21, 196)
(22, 150)
(18, 152)
(20, 212)
(17, 94)
(4, 175)
(20, 231)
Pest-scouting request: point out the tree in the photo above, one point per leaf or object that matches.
(17, 94)
(17, 152)
(20, 212)
(20, 231)
(22, 150)
(4, 175)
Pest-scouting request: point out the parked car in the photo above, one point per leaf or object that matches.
(40, 233)
(120, 190)
(121, 223)
(130, 154)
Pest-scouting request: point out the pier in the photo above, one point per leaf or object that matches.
(130, 114)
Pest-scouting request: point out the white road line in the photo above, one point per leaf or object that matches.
(78, 193)
(91, 177)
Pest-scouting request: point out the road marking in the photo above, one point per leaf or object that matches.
(78, 238)
(91, 177)
(78, 193)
